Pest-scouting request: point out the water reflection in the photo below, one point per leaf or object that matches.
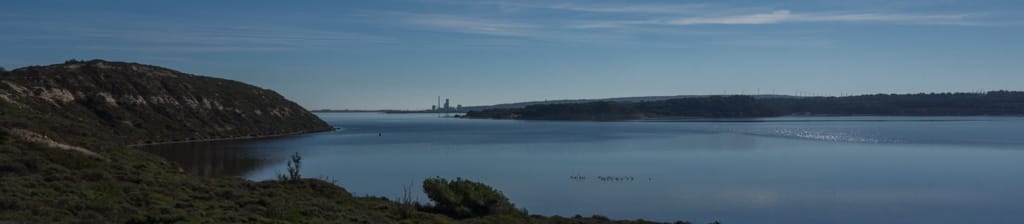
(217, 159)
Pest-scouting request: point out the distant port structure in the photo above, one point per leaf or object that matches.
(443, 109)
(446, 107)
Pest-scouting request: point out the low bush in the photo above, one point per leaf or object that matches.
(462, 198)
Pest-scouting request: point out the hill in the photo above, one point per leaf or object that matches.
(634, 99)
(921, 104)
(931, 104)
(137, 104)
(711, 106)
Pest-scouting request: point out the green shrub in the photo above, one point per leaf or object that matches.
(462, 198)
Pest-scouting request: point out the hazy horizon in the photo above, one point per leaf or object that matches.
(403, 54)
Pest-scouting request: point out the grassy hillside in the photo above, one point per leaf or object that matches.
(64, 160)
(932, 104)
(713, 106)
(136, 104)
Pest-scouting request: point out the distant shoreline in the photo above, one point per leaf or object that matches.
(993, 103)
(346, 111)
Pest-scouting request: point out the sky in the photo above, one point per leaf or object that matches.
(403, 54)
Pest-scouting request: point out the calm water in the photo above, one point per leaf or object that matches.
(780, 170)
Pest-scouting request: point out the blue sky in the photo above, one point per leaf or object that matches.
(402, 54)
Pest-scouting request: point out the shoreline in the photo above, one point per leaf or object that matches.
(734, 119)
(229, 138)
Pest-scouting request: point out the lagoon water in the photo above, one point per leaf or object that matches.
(777, 170)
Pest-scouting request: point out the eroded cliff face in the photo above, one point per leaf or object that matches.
(136, 104)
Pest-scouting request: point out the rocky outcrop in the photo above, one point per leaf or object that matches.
(138, 104)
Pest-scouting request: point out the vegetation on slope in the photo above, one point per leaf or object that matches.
(50, 185)
(921, 104)
(461, 198)
(934, 104)
(140, 104)
(713, 106)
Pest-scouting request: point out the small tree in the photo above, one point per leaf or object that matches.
(293, 170)
(462, 198)
(407, 206)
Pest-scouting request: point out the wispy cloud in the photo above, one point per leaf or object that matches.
(710, 13)
(172, 38)
(913, 19)
(497, 30)
(489, 22)
(565, 17)
(596, 30)
(183, 48)
(761, 18)
(636, 8)
(224, 35)
(465, 24)
(786, 16)
(777, 41)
